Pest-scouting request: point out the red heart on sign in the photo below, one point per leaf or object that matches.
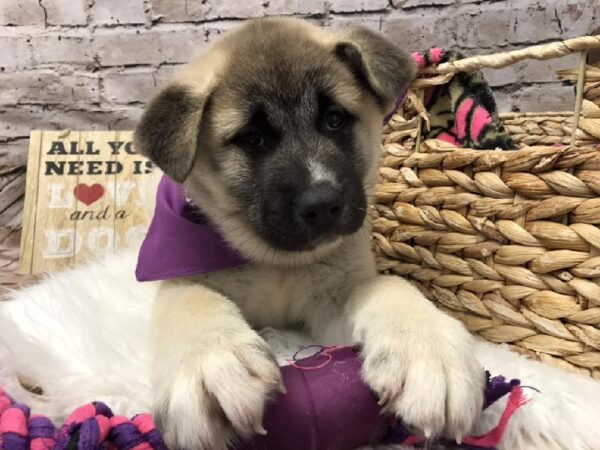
(88, 194)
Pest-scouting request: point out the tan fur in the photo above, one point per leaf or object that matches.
(213, 373)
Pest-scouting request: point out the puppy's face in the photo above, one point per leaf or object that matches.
(275, 133)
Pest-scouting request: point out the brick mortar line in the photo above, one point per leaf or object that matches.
(158, 21)
(440, 7)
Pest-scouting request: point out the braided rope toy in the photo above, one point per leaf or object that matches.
(91, 426)
(327, 407)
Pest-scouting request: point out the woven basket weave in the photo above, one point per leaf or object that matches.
(506, 241)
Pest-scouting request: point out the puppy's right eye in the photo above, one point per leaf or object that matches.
(334, 119)
(249, 138)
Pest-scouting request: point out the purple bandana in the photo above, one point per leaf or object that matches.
(180, 241)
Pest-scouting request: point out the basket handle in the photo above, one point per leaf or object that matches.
(499, 60)
(579, 94)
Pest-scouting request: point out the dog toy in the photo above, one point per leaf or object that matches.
(463, 111)
(89, 427)
(327, 407)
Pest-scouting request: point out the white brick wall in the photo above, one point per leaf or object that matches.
(21, 12)
(63, 12)
(48, 87)
(95, 63)
(113, 12)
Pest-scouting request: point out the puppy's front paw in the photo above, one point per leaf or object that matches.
(207, 395)
(428, 377)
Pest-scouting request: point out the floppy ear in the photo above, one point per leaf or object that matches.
(380, 66)
(168, 131)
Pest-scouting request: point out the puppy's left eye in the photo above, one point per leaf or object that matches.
(335, 118)
(249, 138)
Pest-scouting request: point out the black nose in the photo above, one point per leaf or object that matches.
(320, 206)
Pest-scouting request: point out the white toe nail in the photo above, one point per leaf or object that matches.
(259, 429)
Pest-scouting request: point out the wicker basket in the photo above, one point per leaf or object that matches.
(506, 241)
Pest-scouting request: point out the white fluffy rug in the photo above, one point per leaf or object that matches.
(82, 335)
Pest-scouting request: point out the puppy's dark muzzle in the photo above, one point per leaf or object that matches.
(320, 207)
(299, 218)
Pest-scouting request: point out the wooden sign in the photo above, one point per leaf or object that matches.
(87, 193)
